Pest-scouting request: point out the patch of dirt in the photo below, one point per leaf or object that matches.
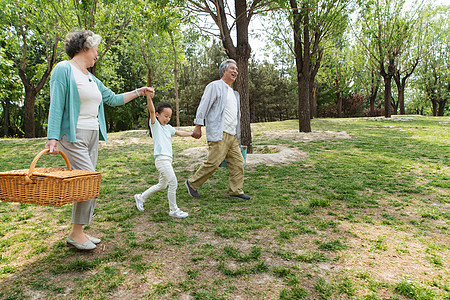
(120, 140)
(296, 136)
(270, 155)
(388, 263)
(396, 118)
(279, 154)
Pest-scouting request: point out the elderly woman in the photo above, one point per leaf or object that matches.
(76, 120)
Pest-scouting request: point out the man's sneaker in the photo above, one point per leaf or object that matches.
(139, 202)
(178, 214)
(241, 196)
(191, 191)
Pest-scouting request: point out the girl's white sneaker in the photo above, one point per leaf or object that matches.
(139, 202)
(178, 214)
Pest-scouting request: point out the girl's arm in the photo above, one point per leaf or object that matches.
(150, 106)
(183, 133)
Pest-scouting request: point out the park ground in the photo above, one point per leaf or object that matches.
(357, 209)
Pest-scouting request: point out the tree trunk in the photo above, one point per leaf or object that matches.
(387, 96)
(303, 65)
(32, 89)
(253, 116)
(340, 105)
(39, 120)
(242, 88)
(241, 54)
(401, 99)
(303, 104)
(30, 100)
(441, 107)
(338, 97)
(401, 83)
(394, 106)
(149, 83)
(373, 93)
(338, 92)
(311, 98)
(314, 102)
(387, 77)
(175, 80)
(434, 105)
(373, 96)
(372, 106)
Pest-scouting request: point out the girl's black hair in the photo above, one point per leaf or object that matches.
(159, 108)
(161, 105)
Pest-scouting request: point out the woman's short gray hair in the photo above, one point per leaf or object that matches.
(224, 66)
(75, 41)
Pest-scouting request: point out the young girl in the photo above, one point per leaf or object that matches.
(161, 132)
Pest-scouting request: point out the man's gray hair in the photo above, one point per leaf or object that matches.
(224, 66)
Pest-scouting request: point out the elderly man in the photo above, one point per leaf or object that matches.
(219, 111)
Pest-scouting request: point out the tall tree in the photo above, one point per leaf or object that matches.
(313, 21)
(153, 46)
(34, 44)
(175, 78)
(10, 91)
(366, 76)
(336, 70)
(110, 19)
(201, 66)
(400, 77)
(229, 19)
(37, 28)
(434, 73)
(387, 24)
(270, 93)
(413, 51)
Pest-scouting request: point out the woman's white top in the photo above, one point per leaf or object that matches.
(90, 99)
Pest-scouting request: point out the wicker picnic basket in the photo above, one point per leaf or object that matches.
(49, 186)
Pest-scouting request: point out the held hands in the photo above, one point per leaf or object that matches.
(128, 96)
(197, 133)
(149, 92)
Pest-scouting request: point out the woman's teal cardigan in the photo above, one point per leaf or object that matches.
(65, 104)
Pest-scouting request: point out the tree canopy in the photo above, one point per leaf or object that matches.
(327, 58)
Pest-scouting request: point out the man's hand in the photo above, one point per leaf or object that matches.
(197, 133)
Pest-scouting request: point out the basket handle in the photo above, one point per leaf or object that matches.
(36, 158)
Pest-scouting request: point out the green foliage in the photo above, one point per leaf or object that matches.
(142, 39)
(431, 86)
(202, 67)
(10, 93)
(267, 86)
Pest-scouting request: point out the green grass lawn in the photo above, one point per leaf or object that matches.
(360, 218)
